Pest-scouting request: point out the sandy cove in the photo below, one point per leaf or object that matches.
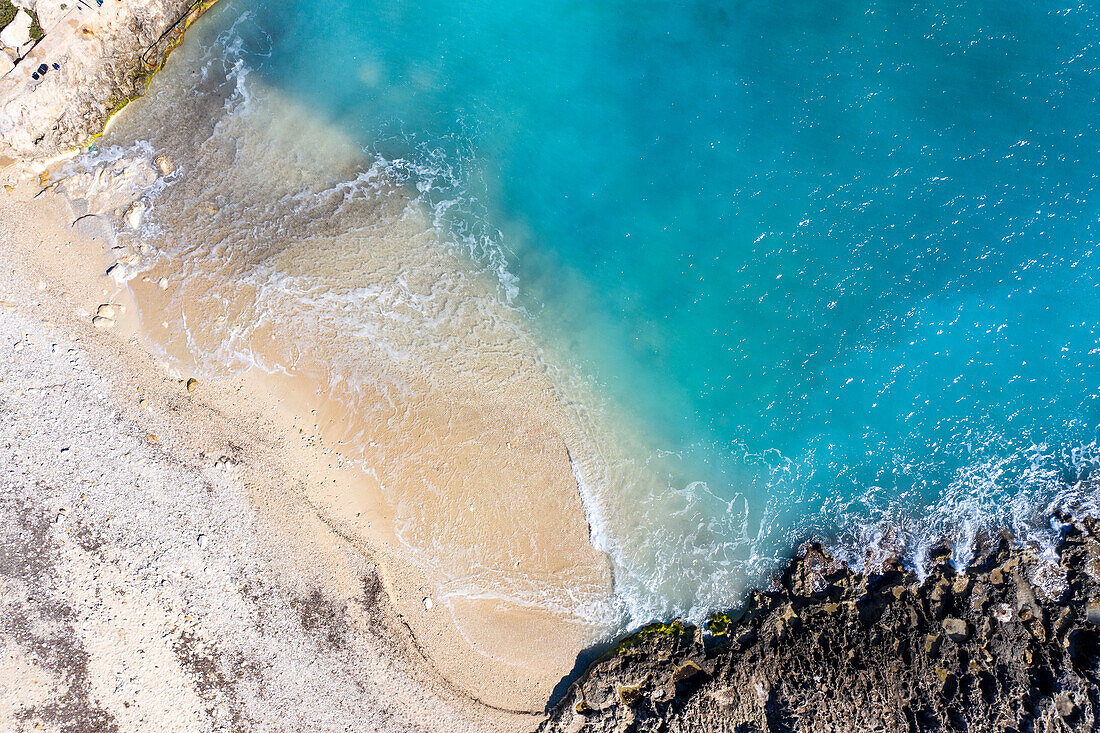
(192, 571)
(222, 514)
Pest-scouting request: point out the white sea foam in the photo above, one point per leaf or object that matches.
(289, 234)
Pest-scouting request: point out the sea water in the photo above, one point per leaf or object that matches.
(802, 269)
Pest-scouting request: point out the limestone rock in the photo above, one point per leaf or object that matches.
(98, 51)
(135, 214)
(18, 32)
(164, 165)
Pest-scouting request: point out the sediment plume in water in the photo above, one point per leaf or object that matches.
(284, 245)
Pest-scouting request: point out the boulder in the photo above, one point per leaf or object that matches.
(18, 32)
(48, 11)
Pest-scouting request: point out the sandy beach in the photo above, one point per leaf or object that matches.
(230, 563)
(243, 549)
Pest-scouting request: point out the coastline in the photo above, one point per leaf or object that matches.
(307, 541)
(824, 648)
(1009, 643)
(503, 657)
(214, 459)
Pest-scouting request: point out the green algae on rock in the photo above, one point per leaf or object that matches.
(1008, 644)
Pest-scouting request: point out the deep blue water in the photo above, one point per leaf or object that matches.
(836, 259)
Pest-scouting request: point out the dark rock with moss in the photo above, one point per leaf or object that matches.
(1011, 644)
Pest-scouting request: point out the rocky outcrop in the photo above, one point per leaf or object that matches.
(96, 58)
(1011, 644)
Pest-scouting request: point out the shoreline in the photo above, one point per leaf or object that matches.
(1009, 643)
(337, 584)
(303, 570)
(527, 661)
(662, 675)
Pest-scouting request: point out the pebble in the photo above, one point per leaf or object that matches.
(135, 214)
(202, 541)
(106, 310)
(427, 603)
(162, 283)
(192, 384)
(103, 322)
(164, 164)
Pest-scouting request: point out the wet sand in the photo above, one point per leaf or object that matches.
(320, 526)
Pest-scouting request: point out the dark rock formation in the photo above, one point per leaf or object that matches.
(1012, 644)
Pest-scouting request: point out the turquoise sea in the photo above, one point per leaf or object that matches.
(830, 264)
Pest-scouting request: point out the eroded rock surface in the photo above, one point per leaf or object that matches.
(96, 58)
(1006, 646)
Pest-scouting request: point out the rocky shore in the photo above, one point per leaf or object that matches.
(97, 57)
(1010, 644)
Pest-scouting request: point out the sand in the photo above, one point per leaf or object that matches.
(199, 558)
(211, 553)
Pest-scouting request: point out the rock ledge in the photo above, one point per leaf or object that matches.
(1011, 644)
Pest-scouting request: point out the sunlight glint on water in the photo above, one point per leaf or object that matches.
(811, 268)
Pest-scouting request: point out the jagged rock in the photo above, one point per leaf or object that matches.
(131, 39)
(864, 656)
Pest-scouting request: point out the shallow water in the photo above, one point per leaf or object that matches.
(798, 269)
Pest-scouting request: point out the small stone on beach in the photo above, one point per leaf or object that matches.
(192, 384)
(102, 322)
(106, 310)
(164, 164)
(202, 541)
(135, 214)
(427, 603)
(117, 273)
(162, 283)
